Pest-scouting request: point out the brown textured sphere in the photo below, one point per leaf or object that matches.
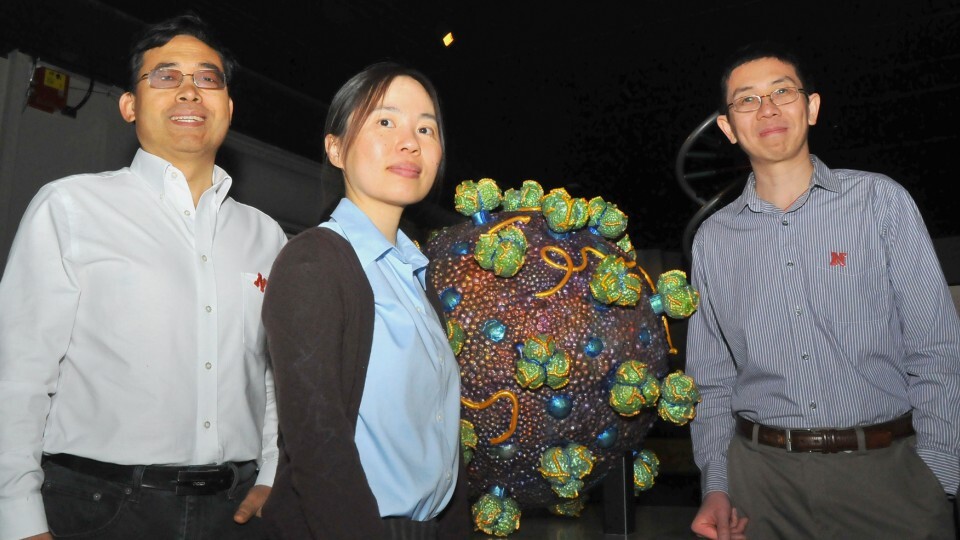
(499, 313)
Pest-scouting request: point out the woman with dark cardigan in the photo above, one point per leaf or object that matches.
(367, 386)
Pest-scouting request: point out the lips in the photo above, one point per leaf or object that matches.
(185, 117)
(772, 131)
(408, 170)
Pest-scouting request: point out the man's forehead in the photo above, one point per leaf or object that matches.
(762, 71)
(184, 50)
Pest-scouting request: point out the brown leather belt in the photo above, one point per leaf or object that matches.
(828, 440)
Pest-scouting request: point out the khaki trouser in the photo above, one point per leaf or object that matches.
(887, 493)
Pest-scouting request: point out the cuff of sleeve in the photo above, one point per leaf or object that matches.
(268, 469)
(946, 467)
(20, 518)
(713, 477)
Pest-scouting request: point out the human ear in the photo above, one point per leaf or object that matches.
(813, 108)
(331, 144)
(127, 109)
(724, 124)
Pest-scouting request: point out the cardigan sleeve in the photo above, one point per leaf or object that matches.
(316, 330)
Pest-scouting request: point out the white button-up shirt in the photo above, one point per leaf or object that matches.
(130, 330)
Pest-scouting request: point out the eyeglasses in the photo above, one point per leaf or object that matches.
(163, 78)
(780, 96)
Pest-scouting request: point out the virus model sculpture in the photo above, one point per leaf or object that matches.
(562, 346)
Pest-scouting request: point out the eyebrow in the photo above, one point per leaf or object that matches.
(428, 116)
(785, 78)
(202, 65)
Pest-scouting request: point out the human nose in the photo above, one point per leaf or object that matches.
(188, 91)
(408, 141)
(767, 107)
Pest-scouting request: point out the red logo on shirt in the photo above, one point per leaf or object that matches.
(261, 282)
(838, 258)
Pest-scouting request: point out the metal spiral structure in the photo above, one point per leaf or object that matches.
(705, 157)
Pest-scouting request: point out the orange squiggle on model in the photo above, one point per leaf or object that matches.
(569, 268)
(514, 411)
(506, 222)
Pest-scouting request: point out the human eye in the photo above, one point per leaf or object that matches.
(781, 92)
(385, 122)
(167, 75)
(746, 100)
(426, 130)
(209, 76)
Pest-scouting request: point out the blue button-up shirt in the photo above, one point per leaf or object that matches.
(408, 430)
(833, 313)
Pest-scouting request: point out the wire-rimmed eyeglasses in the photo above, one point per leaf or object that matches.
(780, 96)
(163, 78)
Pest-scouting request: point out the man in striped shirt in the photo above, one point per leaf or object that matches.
(826, 346)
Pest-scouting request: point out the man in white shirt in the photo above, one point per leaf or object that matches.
(136, 392)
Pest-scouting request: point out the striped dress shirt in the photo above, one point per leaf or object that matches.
(834, 313)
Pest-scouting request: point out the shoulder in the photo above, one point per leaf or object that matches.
(321, 249)
(852, 180)
(80, 183)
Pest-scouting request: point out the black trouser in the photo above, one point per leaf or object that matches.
(406, 529)
(82, 506)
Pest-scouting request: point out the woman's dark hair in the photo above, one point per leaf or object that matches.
(756, 51)
(159, 34)
(359, 96)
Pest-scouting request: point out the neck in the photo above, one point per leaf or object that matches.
(782, 183)
(386, 218)
(199, 177)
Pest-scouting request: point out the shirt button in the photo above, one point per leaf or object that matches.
(208, 365)
(797, 310)
(805, 356)
(208, 308)
(790, 264)
(813, 405)
(785, 222)
(439, 418)
(174, 174)
(206, 424)
(203, 258)
(186, 212)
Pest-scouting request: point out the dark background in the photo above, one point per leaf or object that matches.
(594, 97)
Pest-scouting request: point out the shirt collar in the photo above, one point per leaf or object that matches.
(822, 177)
(156, 170)
(369, 243)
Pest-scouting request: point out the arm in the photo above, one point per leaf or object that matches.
(931, 334)
(311, 301)
(712, 367)
(39, 297)
(269, 454)
(257, 496)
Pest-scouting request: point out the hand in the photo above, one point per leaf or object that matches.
(252, 503)
(717, 520)
(41, 536)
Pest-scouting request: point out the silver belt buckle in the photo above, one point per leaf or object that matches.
(789, 441)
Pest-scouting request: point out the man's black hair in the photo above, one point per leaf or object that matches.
(756, 51)
(159, 34)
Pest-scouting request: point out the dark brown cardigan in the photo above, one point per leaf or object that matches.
(318, 314)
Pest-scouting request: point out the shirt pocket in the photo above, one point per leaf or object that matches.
(252, 286)
(851, 297)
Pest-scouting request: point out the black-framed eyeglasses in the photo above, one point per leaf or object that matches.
(163, 78)
(780, 96)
